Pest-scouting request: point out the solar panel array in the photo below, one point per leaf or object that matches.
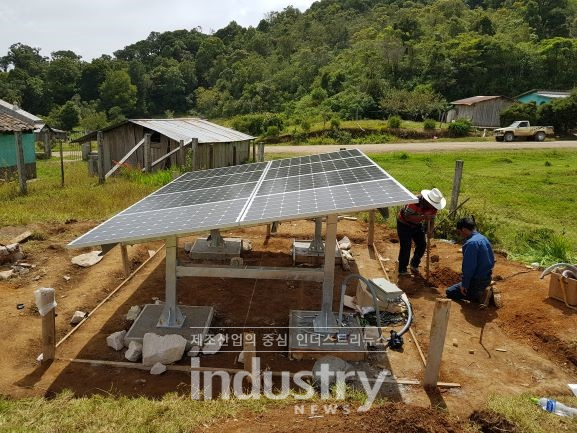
(250, 194)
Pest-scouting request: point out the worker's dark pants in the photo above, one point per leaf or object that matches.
(408, 234)
(474, 291)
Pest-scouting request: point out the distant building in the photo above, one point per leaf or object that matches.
(8, 165)
(217, 146)
(541, 96)
(482, 111)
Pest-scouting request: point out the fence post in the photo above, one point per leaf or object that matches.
(437, 341)
(253, 151)
(100, 141)
(456, 185)
(20, 163)
(371, 235)
(147, 155)
(47, 148)
(260, 152)
(61, 165)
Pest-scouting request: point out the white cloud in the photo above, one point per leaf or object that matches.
(91, 29)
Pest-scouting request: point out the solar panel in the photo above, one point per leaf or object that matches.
(251, 194)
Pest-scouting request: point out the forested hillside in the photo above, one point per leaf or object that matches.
(351, 58)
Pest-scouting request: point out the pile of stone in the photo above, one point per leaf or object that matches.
(10, 253)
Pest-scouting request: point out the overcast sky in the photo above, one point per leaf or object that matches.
(95, 27)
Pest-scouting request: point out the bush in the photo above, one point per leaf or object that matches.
(459, 128)
(429, 124)
(394, 122)
(257, 124)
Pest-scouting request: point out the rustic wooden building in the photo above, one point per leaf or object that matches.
(208, 145)
(8, 160)
(482, 111)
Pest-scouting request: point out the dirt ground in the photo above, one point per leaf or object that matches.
(527, 346)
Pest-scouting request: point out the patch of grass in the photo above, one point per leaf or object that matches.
(81, 198)
(513, 190)
(543, 246)
(529, 417)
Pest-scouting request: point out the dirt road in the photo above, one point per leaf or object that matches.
(436, 146)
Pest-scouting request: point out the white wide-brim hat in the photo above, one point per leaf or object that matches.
(435, 198)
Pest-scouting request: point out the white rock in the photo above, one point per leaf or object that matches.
(6, 275)
(193, 351)
(12, 248)
(347, 256)
(134, 351)
(116, 340)
(133, 313)
(345, 243)
(213, 345)
(165, 349)
(151, 253)
(158, 368)
(66, 277)
(3, 251)
(88, 259)
(246, 245)
(77, 317)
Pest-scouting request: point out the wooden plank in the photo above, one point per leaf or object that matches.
(20, 238)
(437, 341)
(124, 158)
(371, 235)
(147, 153)
(252, 272)
(169, 154)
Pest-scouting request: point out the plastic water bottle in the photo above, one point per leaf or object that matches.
(555, 407)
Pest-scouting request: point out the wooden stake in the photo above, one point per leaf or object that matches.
(181, 160)
(20, 163)
(437, 341)
(47, 297)
(61, 166)
(125, 262)
(249, 349)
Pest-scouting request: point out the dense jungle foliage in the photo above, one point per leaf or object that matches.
(344, 59)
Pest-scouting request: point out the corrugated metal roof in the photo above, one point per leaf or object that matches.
(553, 94)
(11, 124)
(475, 99)
(188, 128)
(23, 113)
(183, 129)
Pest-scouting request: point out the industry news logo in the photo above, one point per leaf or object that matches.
(302, 386)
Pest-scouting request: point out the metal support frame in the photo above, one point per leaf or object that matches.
(171, 316)
(326, 322)
(317, 245)
(216, 240)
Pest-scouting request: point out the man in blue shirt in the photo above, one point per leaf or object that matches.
(478, 262)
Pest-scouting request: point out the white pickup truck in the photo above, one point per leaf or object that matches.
(523, 129)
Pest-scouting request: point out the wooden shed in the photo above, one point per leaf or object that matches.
(208, 144)
(8, 156)
(482, 111)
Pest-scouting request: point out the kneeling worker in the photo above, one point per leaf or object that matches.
(478, 262)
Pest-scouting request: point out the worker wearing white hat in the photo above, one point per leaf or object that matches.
(410, 227)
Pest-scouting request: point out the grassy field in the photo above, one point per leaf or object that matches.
(515, 196)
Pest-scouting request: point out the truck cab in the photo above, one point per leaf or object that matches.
(523, 129)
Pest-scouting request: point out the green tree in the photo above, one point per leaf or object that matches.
(118, 91)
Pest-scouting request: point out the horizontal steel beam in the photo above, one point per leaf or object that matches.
(253, 272)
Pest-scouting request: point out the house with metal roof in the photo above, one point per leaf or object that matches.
(207, 144)
(9, 125)
(482, 111)
(540, 96)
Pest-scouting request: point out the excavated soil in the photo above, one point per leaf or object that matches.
(527, 346)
